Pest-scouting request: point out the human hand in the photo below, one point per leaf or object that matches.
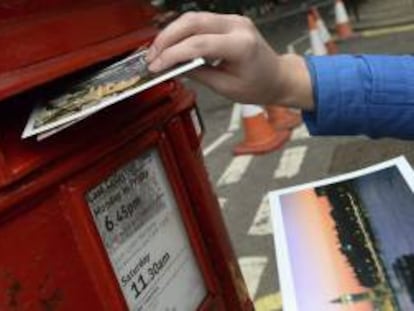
(249, 70)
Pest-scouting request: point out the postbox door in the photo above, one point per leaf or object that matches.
(133, 220)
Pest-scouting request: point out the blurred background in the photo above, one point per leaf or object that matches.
(242, 181)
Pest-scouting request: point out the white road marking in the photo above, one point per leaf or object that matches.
(271, 302)
(261, 223)
(386, 31)
(234, 126)
(222, 202)
(217, 143)
(235, 118)
(235, 171)
(252, 269)
(299, 40)
(291, 162)
(300, 133)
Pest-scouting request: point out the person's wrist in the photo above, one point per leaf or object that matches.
(293, 83)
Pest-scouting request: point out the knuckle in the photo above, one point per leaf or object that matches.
(196, 21)
(249, 40)
(203, 18)
(190, 17)
(233, 17)
(246, 33)
(199, 44)
(246, 22)
(237, 22)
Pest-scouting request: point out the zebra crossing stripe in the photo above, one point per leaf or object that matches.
(235, 171)
(300, 133)
(262, 223)
(291, 162)
(269, 303)
(234, 125)
(252, 269)
(219, 141)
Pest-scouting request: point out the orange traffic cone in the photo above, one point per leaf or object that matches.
(259, 135)
(317, 46)
(343, 25)
(324, 32)
(282, 118)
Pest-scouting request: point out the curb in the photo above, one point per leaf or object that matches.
(386, 30)
(409, 19)
(402, 25)
(377, 32)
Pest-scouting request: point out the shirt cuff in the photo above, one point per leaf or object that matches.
(339, 87)
(363, 94)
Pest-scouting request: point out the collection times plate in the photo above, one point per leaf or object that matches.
(141, 228)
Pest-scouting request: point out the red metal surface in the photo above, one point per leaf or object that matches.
(194, 138)
(17, 9)
(52, 41)
(41, 266)
(50, 33)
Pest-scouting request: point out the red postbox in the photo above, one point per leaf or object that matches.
(115, 212)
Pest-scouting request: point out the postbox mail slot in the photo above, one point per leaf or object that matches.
(19, 158)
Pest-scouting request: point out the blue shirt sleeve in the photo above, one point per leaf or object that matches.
(362, 94)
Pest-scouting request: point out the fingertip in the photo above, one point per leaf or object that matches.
(156, 66)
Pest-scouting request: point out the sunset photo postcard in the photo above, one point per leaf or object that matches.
(347, 243)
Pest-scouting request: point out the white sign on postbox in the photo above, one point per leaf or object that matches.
(141, 228)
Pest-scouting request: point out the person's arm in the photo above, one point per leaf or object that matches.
(250, 70)
(341, 95)
(362, 94)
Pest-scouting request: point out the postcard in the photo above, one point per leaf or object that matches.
(347, 243)
(102, 89)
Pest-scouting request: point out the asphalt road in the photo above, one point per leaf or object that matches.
(241, 183)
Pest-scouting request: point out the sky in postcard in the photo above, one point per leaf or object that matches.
(320, 271)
